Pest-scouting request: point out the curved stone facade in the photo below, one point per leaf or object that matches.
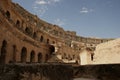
(26, 38)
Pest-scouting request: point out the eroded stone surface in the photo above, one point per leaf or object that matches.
(108, 53)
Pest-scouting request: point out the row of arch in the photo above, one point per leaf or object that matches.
(32, 55)
(28, 30)
(34, 35)
(23, 54)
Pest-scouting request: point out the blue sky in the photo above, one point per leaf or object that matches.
(89, 18)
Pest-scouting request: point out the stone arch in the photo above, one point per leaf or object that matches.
(28, 30)
(39, 57)
(41, 39)
(3, 52)
(14, 53)
(23, 54)
(8, 14)
(18, 23)
(32, 56)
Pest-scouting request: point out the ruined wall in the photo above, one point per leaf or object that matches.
(15, 45)
(98, 72)
(25, 31)
(56, 30)
(36, 72)
(107, 53)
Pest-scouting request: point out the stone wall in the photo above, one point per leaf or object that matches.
(14, 43)
(20, 29)
(55, 30)
(35, 72)
(98, 72)
(107, 53)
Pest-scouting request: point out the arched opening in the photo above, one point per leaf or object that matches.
(34, 35)
(32, 56)
(47, 41)
(52, 49)
(41, 39)
(18, 23)
(3, 52)
(23, 54)
(8, 14)
(27, 30)
(14, 53)
(39, 57)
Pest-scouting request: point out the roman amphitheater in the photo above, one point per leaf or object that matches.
(25, 38)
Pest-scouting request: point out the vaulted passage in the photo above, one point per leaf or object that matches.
(32, 56)
(3, 52)
(39, 57)
(23, 54)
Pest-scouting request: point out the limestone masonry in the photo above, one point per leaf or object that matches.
(24, 38)
(111, 52)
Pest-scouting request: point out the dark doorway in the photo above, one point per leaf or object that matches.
(32, 56)
(92, 55)
(23, 54)
(3, 52)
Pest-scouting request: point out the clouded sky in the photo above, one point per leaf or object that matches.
(89, 18)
